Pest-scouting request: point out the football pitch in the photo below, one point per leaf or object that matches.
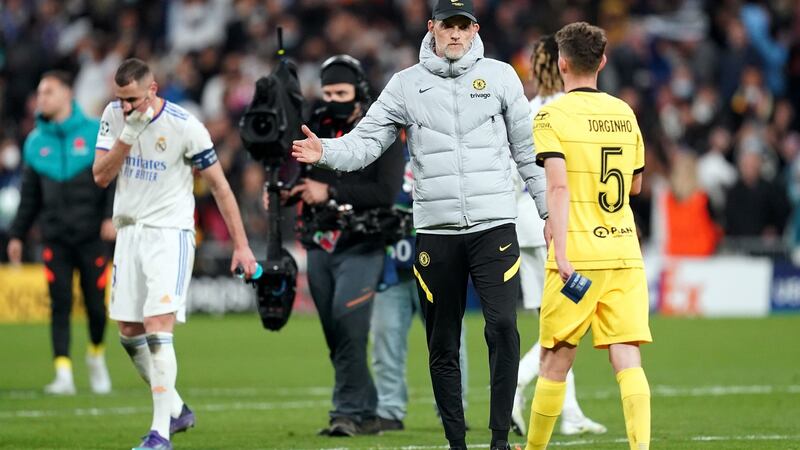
(716, 384)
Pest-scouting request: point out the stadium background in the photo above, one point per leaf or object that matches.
(716, 88)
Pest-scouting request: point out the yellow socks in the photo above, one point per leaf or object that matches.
(62, 363)
(635, 394)
(96, 350)
(548, 399)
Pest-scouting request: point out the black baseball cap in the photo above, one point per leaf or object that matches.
(445, 9)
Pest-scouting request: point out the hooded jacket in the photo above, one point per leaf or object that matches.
(461, 119)
(57, 182)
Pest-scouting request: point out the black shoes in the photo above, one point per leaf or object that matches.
(347, 427)
(340, 427)
(391, 424)
(501, 445)
(372, 425)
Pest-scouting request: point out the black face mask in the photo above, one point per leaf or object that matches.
(339, 110)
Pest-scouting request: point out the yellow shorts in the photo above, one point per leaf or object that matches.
(616, 306)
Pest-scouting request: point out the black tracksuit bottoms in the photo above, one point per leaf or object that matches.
(442, 265)
(60, 260)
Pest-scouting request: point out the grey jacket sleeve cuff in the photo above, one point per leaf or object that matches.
(538, 190)
(541, 206)
(323, 160)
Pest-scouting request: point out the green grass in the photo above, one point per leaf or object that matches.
(717, 384)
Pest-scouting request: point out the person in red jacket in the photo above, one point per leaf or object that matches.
(690, 227)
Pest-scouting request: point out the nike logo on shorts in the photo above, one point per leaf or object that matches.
(425, 90)
(504, 247)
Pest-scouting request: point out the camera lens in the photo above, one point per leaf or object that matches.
(262, 125)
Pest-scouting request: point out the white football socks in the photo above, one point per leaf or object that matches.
(571, 410)
(137, 349)
(139, 352)
(162, 379)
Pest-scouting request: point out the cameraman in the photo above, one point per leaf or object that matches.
(345, 264)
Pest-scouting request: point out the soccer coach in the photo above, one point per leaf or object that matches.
(461, 113)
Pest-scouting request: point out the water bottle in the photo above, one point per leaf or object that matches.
(259, 271)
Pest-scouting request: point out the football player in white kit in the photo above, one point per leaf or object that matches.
(533, 251)
(151, 146)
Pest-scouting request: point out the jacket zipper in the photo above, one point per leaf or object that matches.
(463, 221)
(63, 182)
(63, 148)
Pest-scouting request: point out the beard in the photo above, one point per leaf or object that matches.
(451, 53)
(454, 53)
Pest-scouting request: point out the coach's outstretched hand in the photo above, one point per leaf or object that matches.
(308, 150)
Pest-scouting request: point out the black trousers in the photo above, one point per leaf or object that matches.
(442, 266)
(60, 260)
(343, 286)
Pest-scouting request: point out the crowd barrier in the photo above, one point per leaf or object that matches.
(722, 286)
(24, 295)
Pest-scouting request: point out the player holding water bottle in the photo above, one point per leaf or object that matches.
(151, 146)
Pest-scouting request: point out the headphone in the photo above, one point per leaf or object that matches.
(362, 85)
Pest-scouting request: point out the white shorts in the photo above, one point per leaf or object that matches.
(531, 272)
(152, 269)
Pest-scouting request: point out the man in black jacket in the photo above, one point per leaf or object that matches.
(345, 263)
(756, 207)
(74, 217)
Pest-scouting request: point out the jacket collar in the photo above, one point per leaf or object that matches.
(73, 121)
(443, 67)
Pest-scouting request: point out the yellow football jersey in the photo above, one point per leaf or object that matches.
(599, 138)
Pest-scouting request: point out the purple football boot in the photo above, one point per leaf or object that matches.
(183, 422)
(154, 441)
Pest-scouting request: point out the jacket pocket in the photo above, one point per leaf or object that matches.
(494, 125)
(501, 145)
(497, 131)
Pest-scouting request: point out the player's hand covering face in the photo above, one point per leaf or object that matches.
(136, 96)
(135, 123)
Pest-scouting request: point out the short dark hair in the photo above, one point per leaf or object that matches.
(582, 45)
(132, 69)
(62, 76)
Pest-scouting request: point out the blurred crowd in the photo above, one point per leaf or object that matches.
(715, 85)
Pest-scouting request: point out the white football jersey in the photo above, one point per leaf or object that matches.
(154, 185)
(530, 228)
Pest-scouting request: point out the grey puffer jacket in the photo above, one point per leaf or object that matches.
(461, 118)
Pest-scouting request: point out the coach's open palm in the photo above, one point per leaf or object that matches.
(308, 150)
